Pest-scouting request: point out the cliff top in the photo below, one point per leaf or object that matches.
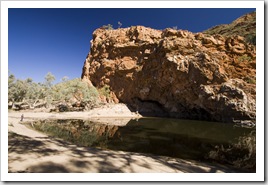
(244, 26)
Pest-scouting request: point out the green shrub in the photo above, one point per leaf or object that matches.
(251, 38)
(250, 80)
(119, 24)
(108, 27)
(244, 58)
(105, 91)
(76, 90)
(68, 91)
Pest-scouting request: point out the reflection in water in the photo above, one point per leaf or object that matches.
(188, 139)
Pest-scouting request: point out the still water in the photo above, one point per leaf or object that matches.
(198, 140)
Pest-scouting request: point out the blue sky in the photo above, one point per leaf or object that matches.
(58, 40)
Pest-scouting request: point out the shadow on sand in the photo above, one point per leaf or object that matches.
(101, 161)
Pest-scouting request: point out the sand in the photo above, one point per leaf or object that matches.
(31, 151)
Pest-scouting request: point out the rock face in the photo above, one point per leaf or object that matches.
(244, 26)
(175, 73)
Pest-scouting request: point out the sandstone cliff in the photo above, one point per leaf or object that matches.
(175, 73)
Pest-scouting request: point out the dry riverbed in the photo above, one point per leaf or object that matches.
(31, 151)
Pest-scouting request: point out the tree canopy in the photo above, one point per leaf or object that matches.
(68, 92)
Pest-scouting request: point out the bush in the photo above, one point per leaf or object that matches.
(108, 27)
(244, 58)
(251, 39)
(250, 80)
(47, 94)
(75, 91)
(105, 91)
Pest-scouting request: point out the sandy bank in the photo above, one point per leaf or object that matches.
(106, 115)
(31, 151)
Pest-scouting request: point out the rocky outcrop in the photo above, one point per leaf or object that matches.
(244, 26)
(175, 72)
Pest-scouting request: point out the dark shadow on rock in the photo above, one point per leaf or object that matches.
(147, 108)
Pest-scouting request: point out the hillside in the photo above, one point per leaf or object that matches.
(176, 73)
(244, 26)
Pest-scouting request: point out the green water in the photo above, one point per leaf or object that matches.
(198, 140)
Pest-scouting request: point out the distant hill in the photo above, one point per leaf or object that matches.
(244, 26)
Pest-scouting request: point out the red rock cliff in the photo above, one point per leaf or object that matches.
(175, 72)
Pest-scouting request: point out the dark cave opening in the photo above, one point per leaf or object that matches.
(152, 108)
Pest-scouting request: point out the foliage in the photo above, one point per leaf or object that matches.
(119, 24)
(49, 78)
(11, 79)
(244, 58)
(244, 26)
(250, 80)
(17, 90)
(105, 91)
(65, 78)
(251, 38)
(75, 90)
(108, 27)
(68, 91)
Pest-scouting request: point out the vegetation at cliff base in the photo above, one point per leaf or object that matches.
(68, 95)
